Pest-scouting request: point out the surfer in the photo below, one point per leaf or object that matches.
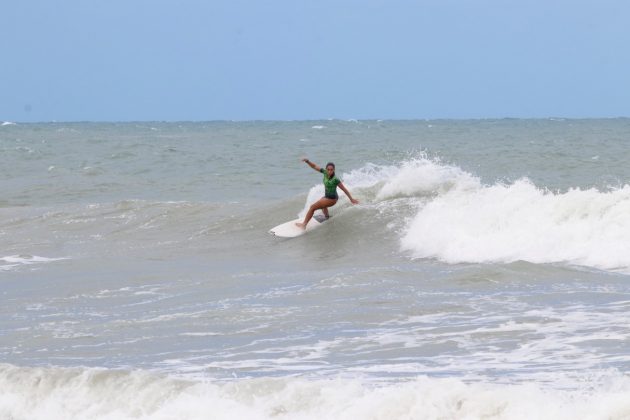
(331, 182)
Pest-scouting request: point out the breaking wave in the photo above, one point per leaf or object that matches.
(81, 393)
(450, 215)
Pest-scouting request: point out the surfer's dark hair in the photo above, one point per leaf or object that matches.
(333, 165)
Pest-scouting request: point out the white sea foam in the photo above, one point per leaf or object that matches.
(12, 262)
(5, 123)
(54, 393)
(519, 221)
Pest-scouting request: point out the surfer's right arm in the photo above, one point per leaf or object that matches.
(311, 164)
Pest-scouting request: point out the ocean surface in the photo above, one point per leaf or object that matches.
(484, 274)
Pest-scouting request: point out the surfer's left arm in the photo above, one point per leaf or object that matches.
(345, 190)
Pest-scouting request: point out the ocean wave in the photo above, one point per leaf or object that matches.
(90, 393)
(450, 215)
(132, 225)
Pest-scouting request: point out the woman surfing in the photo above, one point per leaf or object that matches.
(331, 182)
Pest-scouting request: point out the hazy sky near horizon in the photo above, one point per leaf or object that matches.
(131, 60)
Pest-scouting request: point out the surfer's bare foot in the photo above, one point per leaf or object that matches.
(300, 225)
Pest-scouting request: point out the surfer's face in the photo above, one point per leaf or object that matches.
(330, 170)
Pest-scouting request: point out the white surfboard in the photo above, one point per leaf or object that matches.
(290, 230)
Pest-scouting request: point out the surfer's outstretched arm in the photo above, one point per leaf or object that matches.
(345, 190)
(311, 164)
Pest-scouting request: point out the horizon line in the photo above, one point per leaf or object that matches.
(174, 121)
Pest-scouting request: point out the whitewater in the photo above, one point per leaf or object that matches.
(484, 274)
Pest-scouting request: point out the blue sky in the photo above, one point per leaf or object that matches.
(130, 60)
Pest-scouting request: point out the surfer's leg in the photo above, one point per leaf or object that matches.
(325, 209)
(319, 204)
